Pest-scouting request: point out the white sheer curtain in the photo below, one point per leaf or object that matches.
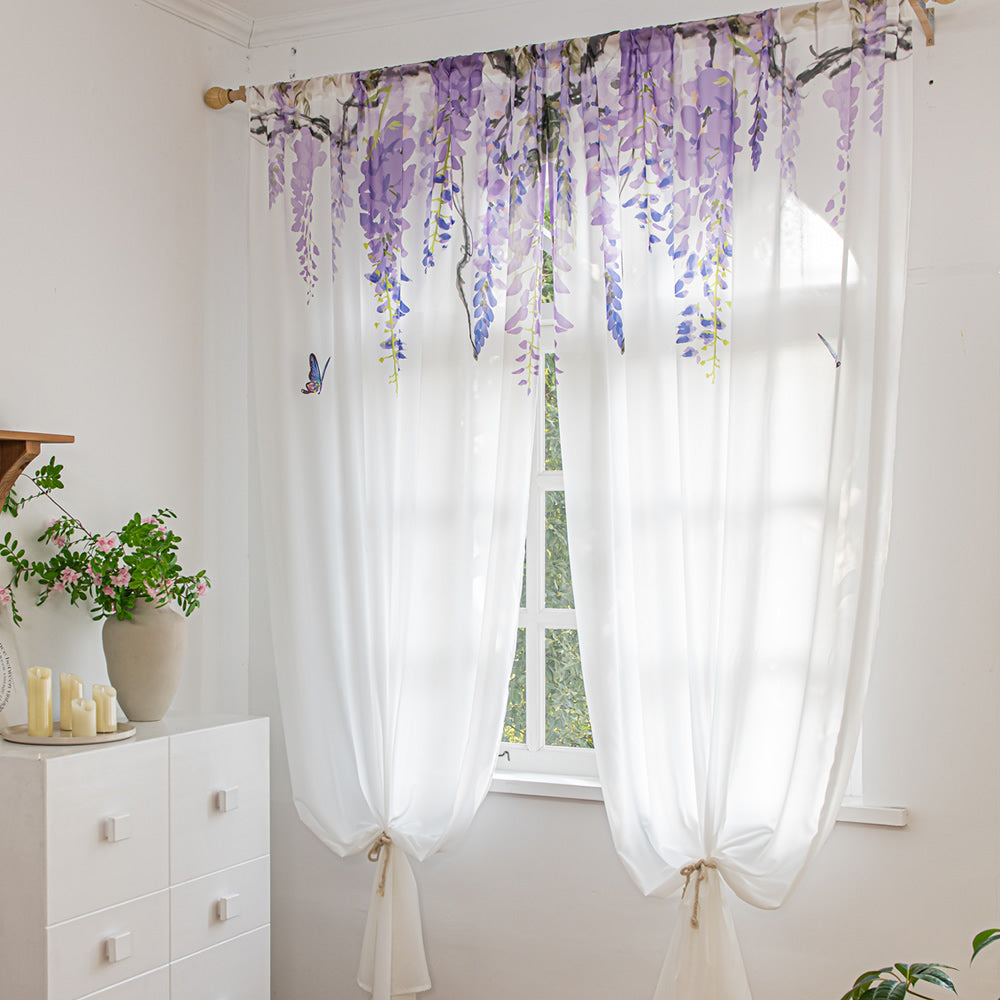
(395, 503)
(728, 240)
(728, 506)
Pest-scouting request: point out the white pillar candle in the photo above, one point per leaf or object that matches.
(107, 708)
(70, 688)
(39, 701)
(84, 717)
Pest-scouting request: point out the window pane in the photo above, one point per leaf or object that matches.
(514, 723)
(553, 449)
(524, 580)
(558, 585)
(567, 719)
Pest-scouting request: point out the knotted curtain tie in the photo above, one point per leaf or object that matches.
(696, 867)
(375, 852)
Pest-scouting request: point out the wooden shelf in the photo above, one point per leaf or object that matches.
(17, 449)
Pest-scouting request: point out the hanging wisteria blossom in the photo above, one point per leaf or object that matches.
(475, 156)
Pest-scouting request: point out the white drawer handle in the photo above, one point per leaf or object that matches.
(117, 828)
(119, 947)
(227, 799)
(228, 907)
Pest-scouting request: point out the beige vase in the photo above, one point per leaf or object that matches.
(13, 700)
(145, 657)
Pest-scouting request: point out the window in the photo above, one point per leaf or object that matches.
(547, 727)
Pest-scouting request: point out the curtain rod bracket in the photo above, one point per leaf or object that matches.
(925, 15)
(219, 97)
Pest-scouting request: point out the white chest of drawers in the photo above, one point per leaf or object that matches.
(137, 870)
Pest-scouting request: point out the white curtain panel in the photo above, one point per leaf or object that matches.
(728, 474)
(394, 479)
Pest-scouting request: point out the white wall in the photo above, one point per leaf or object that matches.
(122, 249)
(117, 220)
(534, 902)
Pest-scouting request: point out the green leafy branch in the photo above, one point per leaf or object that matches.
(110, 572)
(898, 981)
(895, 982)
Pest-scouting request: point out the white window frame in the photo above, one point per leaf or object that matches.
(533, 756)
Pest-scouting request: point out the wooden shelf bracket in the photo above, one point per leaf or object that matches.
(17, 450)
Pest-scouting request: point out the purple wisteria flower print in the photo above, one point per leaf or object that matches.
(387, 175)
(309, 156)
(646, 129)
(481, 165)
(523, 166)
(456, 84)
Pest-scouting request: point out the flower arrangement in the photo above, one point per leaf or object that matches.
(111, 572)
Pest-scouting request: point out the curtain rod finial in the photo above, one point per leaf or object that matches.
(219, 97)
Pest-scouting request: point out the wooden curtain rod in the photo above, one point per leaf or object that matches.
(219, 97)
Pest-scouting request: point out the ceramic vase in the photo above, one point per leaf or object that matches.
(13, 700)
(145, 657)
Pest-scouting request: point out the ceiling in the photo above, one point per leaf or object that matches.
(257, 23)
(255, 9)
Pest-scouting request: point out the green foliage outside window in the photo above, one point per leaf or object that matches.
(553, 449)
(515, 724)
(558, 583)
(567, 719)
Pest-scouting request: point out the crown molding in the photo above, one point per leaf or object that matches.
(357, 16)
(219, 18)
(348, 16)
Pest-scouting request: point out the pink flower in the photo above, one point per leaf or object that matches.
(94, 574)
(150, 520)
(202, 588)
(108, 591)
(58, 587)
(107, 543)
(5, 595)
(69, 575)
(122, 577)
(60, 541)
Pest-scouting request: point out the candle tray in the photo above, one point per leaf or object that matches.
(19, 734)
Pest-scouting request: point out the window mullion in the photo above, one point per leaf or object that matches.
(534, 597)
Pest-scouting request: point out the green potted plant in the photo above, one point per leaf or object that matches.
(129, 578)
(896, 982)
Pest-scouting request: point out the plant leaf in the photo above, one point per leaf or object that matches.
(983, 939)
(861, 988)
(889, 989)
(934, 974)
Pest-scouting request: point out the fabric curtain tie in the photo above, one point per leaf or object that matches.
(375, 852)
(696, 868)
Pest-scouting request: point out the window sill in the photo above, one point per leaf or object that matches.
(560, 786)
(554, 786)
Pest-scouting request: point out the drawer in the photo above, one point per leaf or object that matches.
(240, 969)
(106, 827)
(152, 986)
(105, 948)
(219, 807)
(220, 906)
